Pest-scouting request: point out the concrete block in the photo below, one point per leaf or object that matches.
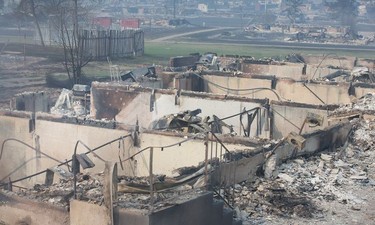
(217, 211)
(79, 212)
(237, 222)
(296, 140)
(270, 167)
(124, 216)
(185, 213)
(227, 217)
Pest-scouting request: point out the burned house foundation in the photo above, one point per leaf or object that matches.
(197, 151)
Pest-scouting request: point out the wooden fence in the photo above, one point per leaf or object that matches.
(112, 43)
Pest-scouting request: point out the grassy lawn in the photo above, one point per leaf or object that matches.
(16, 39)
(158, 51)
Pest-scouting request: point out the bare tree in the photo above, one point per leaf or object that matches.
(293, 10)
(72, 42)
(30, 8)
(346, 11)
(63, 16)
(64, 19)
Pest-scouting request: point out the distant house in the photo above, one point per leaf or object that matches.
(203, 8)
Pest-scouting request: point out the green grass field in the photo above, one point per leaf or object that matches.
(163, 51)
(158, 53)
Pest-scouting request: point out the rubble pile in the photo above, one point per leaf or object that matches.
(302, 184)
(365, 104)
(90, 189)
(303, 187)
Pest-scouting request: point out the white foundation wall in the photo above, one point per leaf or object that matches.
(58, 140)
(286, 89)
(288, 119)
(213, 83)
(139, 108)
(14, 154)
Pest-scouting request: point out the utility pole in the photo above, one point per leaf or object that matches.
(265, 6)
(174, 9)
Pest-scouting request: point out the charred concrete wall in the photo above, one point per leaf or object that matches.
(289, 117)
(345, 62)
(21, 211)
(55, 139)
(296, 71)
(198, 210)
(13, 154)
(246, 168)
(32, 102)
(145, 105)
(316, 93)
(214, 84)
(58, 139)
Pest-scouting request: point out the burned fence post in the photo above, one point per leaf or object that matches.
(151, 179)
(206, 161)
(110, 190)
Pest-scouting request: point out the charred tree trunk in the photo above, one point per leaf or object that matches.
(36, 22)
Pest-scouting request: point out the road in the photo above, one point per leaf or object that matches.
(169, 37)
(206, 36)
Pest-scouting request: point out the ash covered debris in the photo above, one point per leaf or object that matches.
(89, 188)
(365, 104)
(139, 74)
(189, 122)
(313, 187)
(73, 102)
(133, 192)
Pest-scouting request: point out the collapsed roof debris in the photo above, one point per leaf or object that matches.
(189, 122)
(301, 187)
(139, 74)
(363, 105)
(186, 121)
(308, 187)
(362, 74)
(133, 191)
(73, 102)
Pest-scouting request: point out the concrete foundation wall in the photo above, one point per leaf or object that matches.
(83, 213)
(198, 210)
(245, 168)
(290, 118)
(139, 107)
(58, 139)
(361, 91)
(369, 63)
(136, 105)
(288, 70)
(300, 92)
(36, 101)
(19, 211)
(287, 89)
(13, 154)
(346, 62)
(213, 83)
(194, 211)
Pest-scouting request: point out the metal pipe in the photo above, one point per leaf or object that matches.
(161, 147)
(233, 89)
(206, 161)
(151, 179)
(314, 94)
(19, 167)
(19, 141)
(68, 161)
